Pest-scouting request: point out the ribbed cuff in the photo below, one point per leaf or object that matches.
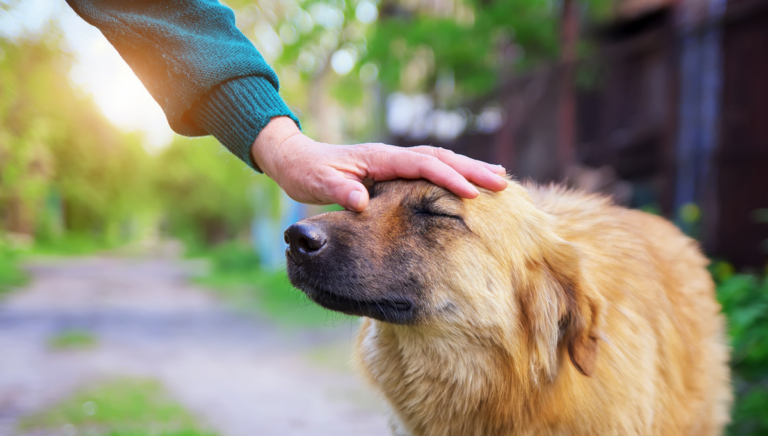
(235, 112)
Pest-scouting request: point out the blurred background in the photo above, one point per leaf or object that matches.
(142, 285)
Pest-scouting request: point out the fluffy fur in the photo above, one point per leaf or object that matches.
(541, 312)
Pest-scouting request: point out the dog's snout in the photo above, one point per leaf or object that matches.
(304, 240)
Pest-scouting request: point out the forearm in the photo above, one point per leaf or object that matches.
(204, 73)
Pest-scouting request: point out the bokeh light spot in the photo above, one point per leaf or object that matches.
(342, 62)
(366, 12)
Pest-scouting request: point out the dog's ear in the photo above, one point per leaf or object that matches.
(580, 306)
(558, 307)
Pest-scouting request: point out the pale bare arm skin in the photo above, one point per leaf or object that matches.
(317, 173)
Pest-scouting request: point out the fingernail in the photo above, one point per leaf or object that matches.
(474, 190)
(356, 200)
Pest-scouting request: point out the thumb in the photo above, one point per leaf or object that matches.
(349, 194)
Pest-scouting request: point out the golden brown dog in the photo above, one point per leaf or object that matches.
(534, 311)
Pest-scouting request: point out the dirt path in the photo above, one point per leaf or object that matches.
(240, 375)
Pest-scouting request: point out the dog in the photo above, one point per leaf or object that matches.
(531, 311)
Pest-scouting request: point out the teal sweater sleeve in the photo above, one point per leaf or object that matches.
(205, 74)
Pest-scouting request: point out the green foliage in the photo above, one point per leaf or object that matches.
(77, 185)
(11, 274)
(206, 193)
(233, 258)
(744, 298)
(122, 407)
(473, 44)
(63, 167)
(472, 51)
(235, 272)
(70, 244)
(72, 340)
(476, 41)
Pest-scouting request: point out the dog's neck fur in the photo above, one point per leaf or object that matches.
(476, 404)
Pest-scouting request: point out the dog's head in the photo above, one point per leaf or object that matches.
(491, 268)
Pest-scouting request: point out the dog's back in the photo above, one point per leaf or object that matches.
(662, 324)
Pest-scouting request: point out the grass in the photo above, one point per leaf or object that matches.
(72, 340)
(236, 274)
(120, 407)
(11, 274)
(70, 244)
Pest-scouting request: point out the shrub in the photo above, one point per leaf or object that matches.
(745, 302)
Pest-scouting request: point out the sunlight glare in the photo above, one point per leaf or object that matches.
(103, 74)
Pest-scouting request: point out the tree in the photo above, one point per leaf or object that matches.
(60, 156)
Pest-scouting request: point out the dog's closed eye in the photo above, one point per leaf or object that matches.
(436, 213)
(437, 205)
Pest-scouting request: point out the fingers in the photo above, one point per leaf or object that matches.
(495, 169)
(480, 173)
(391, 163)
(349, 194)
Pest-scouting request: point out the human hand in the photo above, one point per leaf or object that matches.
(317, 173)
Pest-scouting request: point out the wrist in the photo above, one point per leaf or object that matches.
(267, 144)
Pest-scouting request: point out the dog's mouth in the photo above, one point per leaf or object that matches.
(391, 310)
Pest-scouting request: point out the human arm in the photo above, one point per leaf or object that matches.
(209, 79)
(204, 73)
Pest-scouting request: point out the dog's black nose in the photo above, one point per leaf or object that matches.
(304, 240)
